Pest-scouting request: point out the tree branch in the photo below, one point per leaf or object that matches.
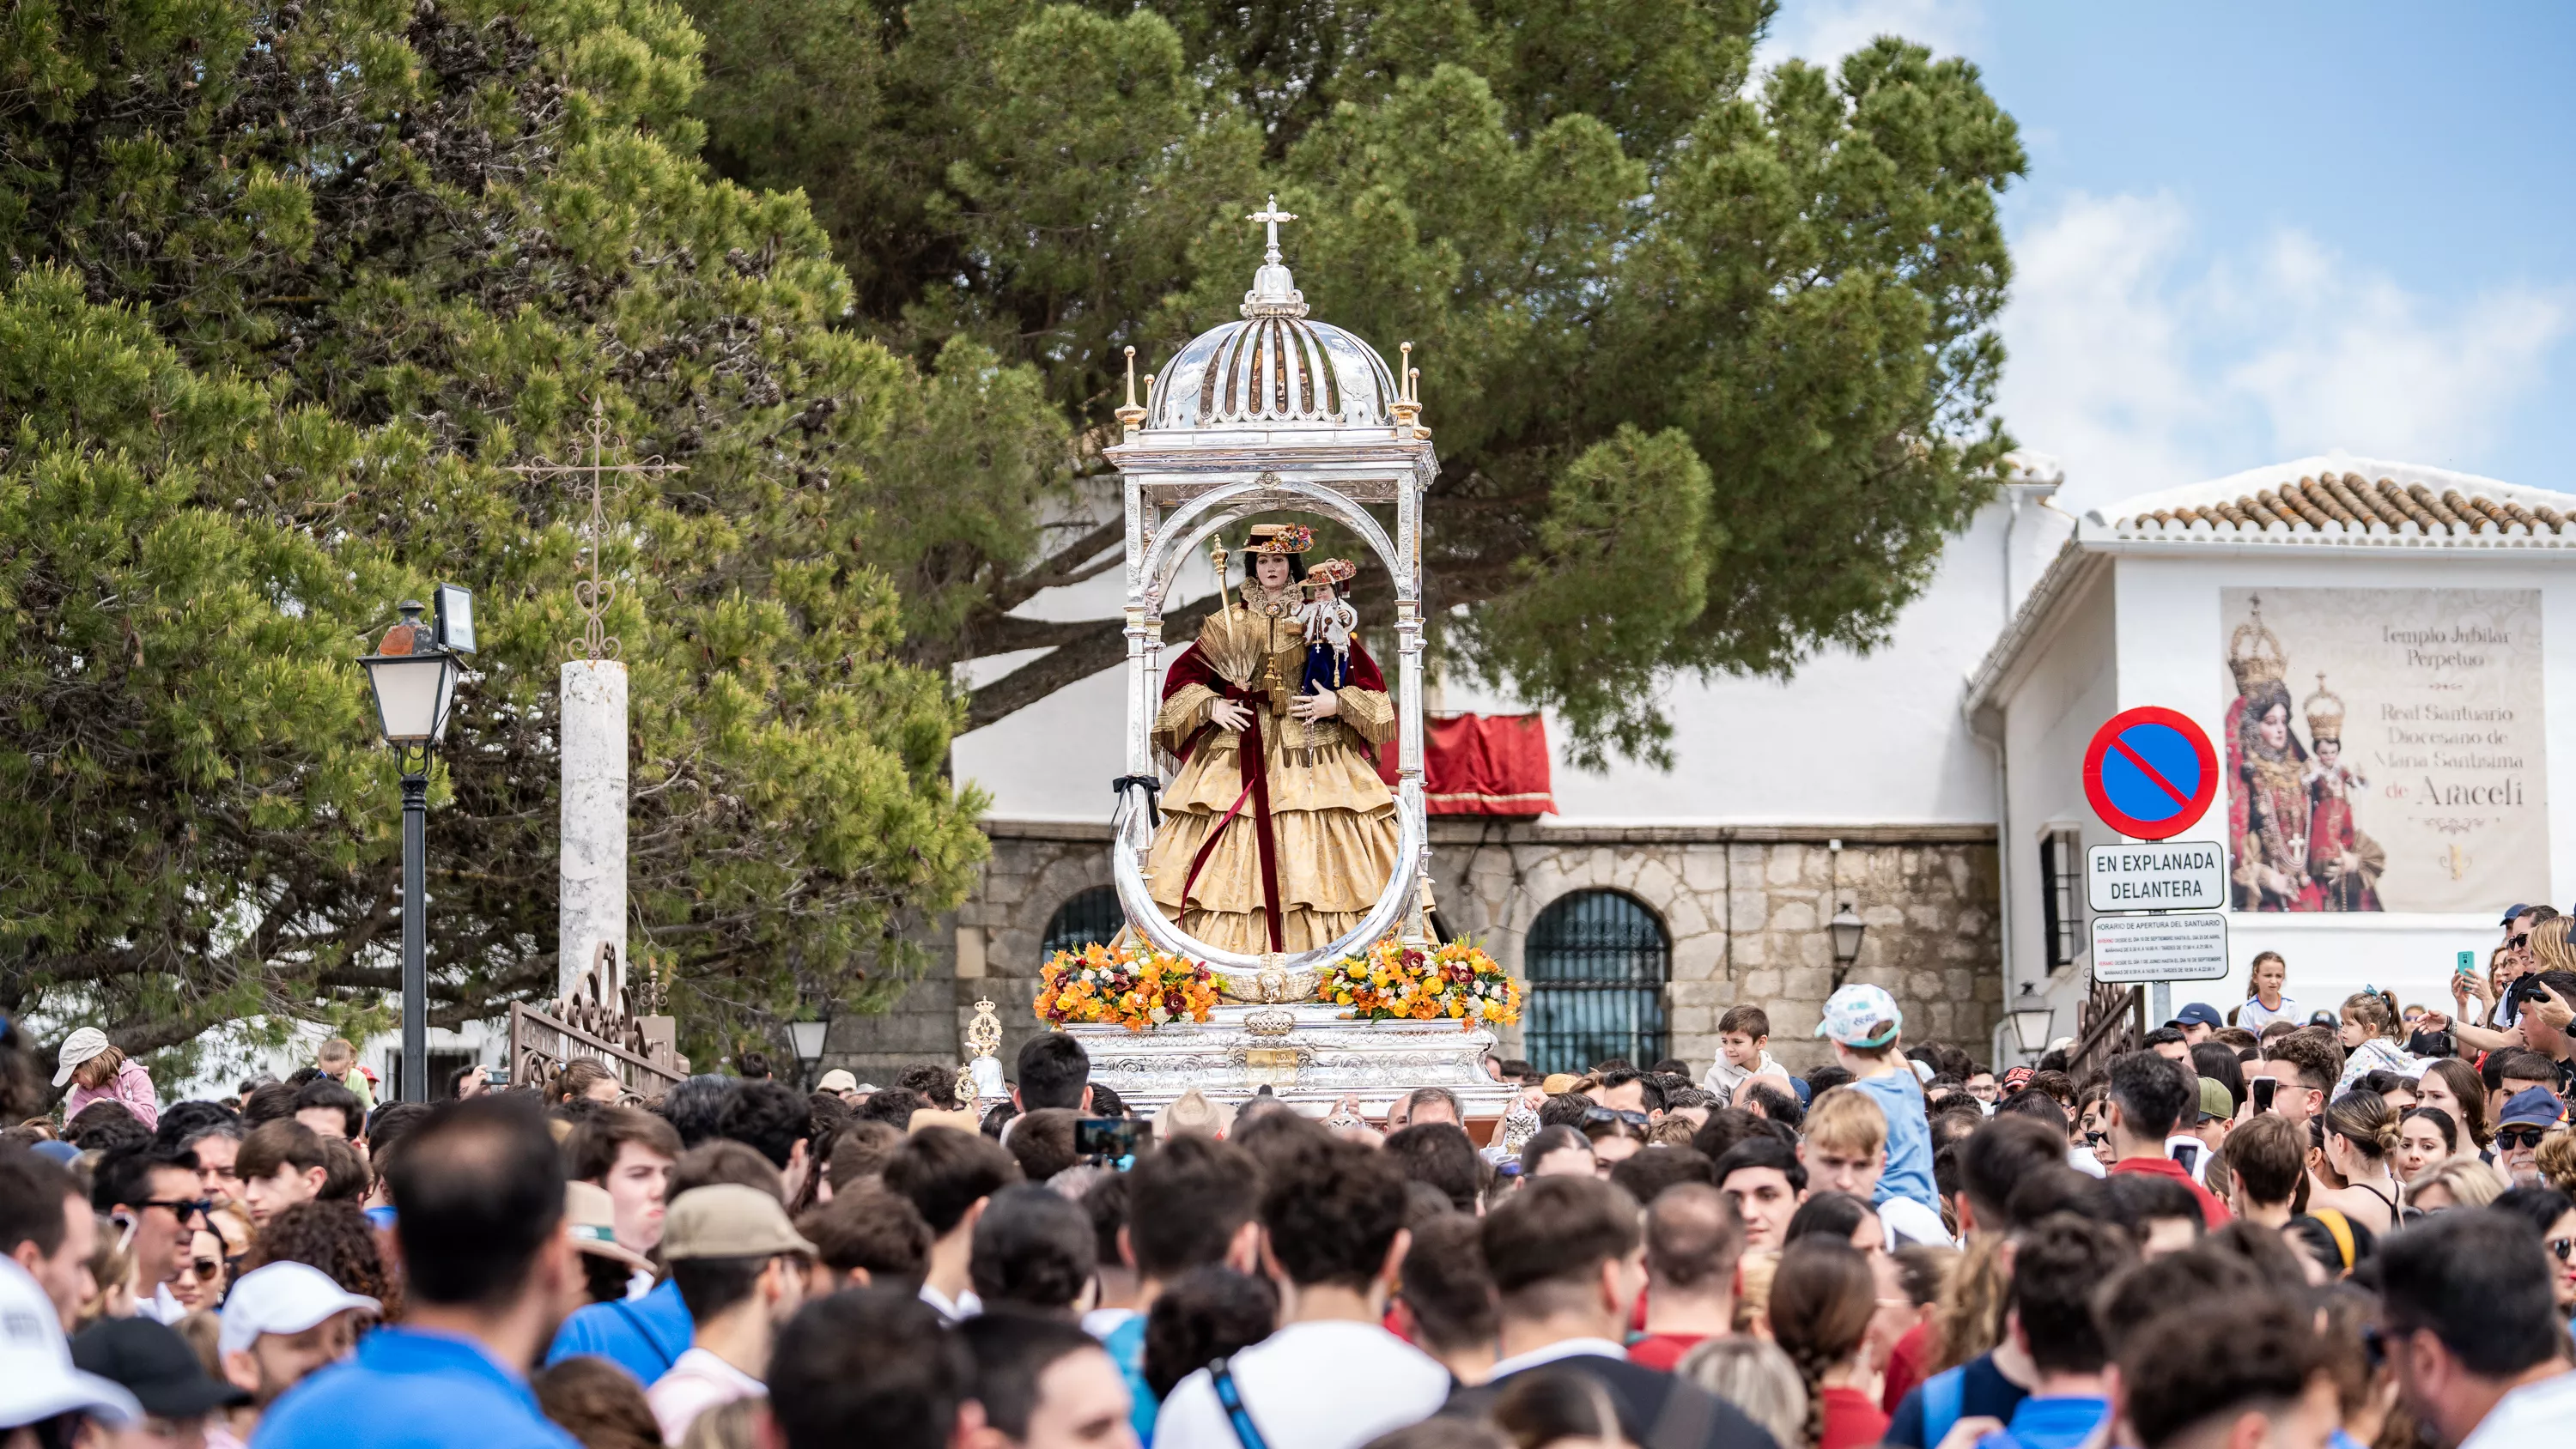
(1088, 647)
(1064, 566)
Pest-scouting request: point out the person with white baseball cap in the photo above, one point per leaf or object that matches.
(1866, 1028)
(281, 1323)
(38, 1384)
(97, 1072)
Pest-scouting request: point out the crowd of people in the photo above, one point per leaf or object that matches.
(2254, 1229)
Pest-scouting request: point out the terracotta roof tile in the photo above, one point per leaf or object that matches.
(2349, 501)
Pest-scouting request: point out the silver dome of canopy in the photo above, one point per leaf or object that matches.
(1274, 369)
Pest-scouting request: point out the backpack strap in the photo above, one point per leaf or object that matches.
(1943, 1393)
(1230, 1398)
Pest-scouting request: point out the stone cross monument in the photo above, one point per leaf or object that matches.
(592, 739)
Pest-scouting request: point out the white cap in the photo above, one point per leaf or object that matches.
(79, 1047)
(37, 1380)
(282, 1298)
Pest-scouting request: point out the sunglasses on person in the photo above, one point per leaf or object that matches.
(1617, 1114)
(206, 1269)
(2563, 1249)
(2510, 1138)
(188, 1209)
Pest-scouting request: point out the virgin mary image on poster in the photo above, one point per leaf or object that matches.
(2382, 746)
(2294, 844)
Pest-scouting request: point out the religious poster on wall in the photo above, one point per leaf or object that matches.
(2384, 749)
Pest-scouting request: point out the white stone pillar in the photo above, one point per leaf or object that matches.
(592, 871)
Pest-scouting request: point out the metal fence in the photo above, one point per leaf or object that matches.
(1596, 962)
(2110, 1022)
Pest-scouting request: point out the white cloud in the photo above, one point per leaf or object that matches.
(2145, 357)
(1824, 31)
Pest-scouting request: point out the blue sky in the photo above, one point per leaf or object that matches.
(2255, 232)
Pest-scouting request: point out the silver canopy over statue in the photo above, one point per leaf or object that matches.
(1273, 847)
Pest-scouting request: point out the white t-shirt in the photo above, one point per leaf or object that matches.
(1311, 1386)
(2535, 1416)
(695, 1382)
(1908, 1221)
(2254, 1015)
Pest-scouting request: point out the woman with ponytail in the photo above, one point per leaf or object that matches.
(2370, 1022)
(1823, 1298)
(2361, 1131)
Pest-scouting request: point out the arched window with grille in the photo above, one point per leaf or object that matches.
(1091, 915)
(1596, 961)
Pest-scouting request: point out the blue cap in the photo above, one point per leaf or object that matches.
(2512, 911)
(56, 1150)
(2532, 1107)
(2199, 1013)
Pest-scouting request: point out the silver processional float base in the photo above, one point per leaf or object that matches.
(1308, 1056)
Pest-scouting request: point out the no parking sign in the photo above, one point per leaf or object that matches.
(2150, 773)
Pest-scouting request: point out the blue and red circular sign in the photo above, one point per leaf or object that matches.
(2150, 773)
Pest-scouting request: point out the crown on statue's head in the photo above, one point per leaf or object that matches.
(2254, 653)
(2324, 710)
(1280, 538)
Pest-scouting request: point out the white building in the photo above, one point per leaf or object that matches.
(2437, 607)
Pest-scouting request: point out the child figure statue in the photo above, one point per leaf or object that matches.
(1328, 619)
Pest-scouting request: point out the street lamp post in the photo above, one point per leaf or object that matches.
(808, 1037)
(413, 673)
(1846, 928)
(2031, 1019)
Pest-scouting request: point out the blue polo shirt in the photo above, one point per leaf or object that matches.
(406, 1389)
(643, 1336)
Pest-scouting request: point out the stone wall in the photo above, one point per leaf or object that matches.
(1744, 907)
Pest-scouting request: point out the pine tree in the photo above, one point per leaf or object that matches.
(1709, 357)
(289, 288)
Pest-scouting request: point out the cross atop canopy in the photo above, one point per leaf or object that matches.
(1271, 216)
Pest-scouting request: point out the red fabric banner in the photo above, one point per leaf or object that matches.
(1481, 765)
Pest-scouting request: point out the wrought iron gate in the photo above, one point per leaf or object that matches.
(1597, 961)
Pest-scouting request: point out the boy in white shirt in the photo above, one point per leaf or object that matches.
(1743, 1034)
(1333, 1239)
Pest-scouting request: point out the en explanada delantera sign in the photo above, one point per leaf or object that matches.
(2167, 875)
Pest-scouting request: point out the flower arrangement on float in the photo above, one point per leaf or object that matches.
(1124, 986)
(1395, 982)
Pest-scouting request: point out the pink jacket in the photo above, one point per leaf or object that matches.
(130, 1088)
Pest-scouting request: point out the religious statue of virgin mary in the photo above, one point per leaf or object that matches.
(1277, 833)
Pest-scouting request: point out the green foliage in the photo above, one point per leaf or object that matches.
(1611, 245)
(291, 287)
